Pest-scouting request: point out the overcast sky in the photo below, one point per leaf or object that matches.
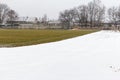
(37, 8)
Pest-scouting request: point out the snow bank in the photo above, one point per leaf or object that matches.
(94, 56)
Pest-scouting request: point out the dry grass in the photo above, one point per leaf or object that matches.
(21, 37)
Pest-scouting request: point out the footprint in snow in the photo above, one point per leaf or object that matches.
(115, 69)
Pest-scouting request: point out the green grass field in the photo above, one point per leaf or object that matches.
(20, 37)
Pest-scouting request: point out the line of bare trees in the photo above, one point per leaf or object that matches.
(7, 14)
(94, 14)
(91, 15)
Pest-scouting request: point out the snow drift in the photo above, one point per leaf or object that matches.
(94, 56)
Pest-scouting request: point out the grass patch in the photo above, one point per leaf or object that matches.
(21, 37)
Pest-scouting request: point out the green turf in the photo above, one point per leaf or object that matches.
(17, 37)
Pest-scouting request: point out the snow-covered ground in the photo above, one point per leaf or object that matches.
(94, 56)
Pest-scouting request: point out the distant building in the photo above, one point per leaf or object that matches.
(54, 23)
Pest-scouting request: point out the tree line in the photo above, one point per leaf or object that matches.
(94, 14)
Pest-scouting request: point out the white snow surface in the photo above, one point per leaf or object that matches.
(95, 56)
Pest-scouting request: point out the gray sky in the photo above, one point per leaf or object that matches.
(37, 8)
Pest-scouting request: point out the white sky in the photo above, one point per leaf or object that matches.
(37, 8)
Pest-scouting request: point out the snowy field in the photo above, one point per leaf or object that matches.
(94, 56)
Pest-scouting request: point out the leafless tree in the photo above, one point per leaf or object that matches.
(37, 21)
(119, 17)
(44, 19)
(96, 12)
(4, 9)
(119, 13)
(100, 16)
(91, 13)
(67, 18)
(113, 15)
(12, 16)
(82, 15)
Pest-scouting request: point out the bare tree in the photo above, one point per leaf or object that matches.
(82, 15)
(91, 13)
(44, 19)
(96, 12)
(4, 9)
(37, 20)
(100, 16)
(119, 13)
(113, 15)
(72, 16)
(67, 18)
(12, 17)
(64, 19)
